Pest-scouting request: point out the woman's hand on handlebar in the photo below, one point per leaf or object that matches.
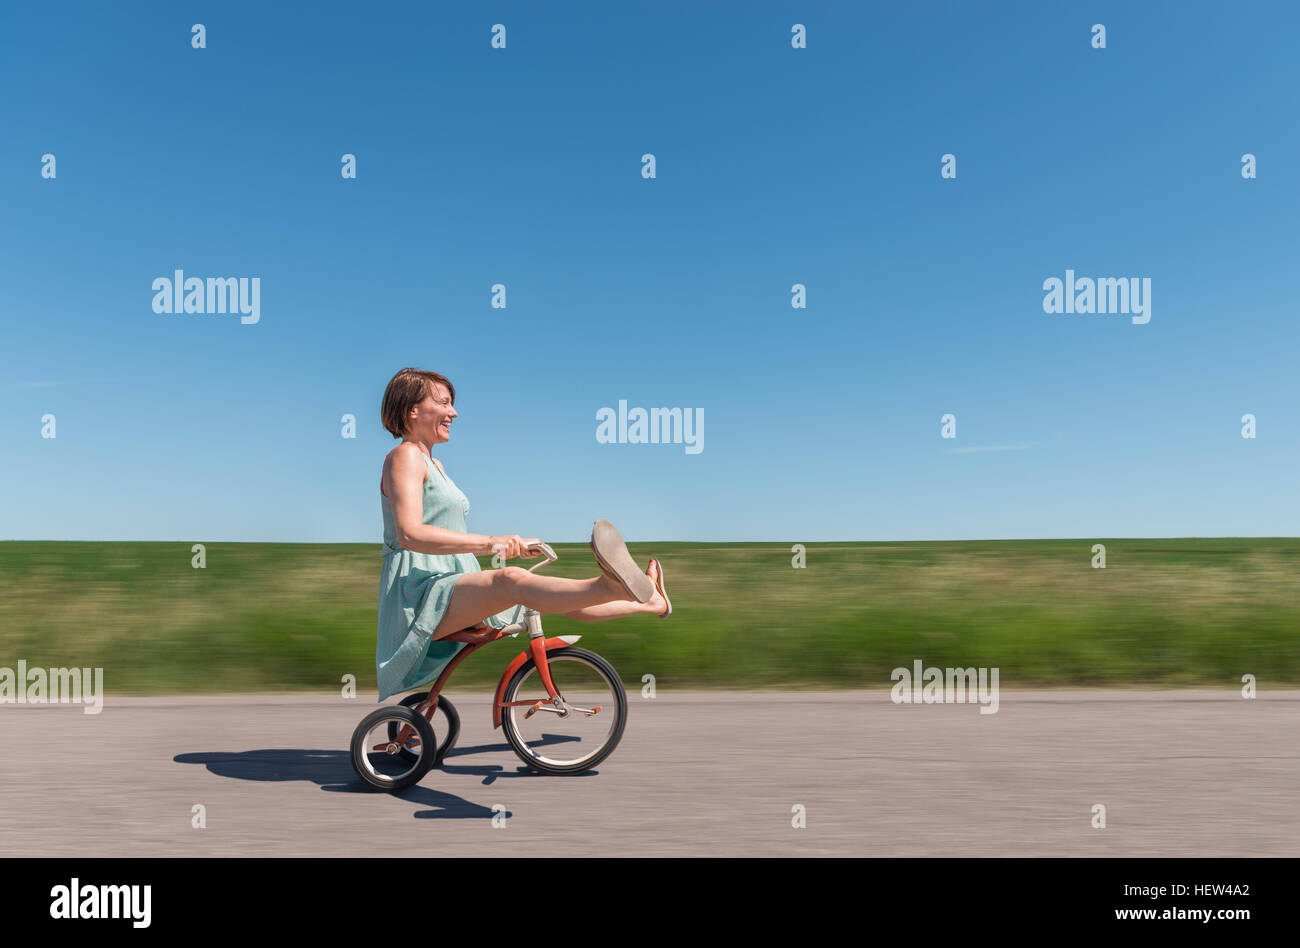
(514, 546)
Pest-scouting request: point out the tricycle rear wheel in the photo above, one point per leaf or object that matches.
(380, 761)
(448, 711)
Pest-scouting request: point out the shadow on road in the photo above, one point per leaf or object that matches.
(332, 770)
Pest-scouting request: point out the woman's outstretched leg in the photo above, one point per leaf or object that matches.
(483, 594)
(613, 610)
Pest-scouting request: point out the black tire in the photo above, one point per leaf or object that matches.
(616, 733)
(453, 725)
(415, 770)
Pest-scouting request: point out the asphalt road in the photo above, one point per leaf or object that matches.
(1181, 773)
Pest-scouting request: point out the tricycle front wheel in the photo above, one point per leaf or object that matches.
(577, 741)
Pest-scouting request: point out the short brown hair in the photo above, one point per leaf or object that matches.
(407, 388)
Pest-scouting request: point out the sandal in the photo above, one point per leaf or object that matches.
(659, 584)
(615, 561)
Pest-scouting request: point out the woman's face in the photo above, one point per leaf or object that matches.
(430, 420)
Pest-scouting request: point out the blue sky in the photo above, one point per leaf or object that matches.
(775, 166)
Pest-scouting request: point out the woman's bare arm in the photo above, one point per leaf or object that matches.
(403, 483)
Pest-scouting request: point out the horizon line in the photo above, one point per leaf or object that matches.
(379, 543)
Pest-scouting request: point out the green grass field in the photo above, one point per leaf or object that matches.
(290, 617)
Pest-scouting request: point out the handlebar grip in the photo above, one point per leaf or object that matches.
(539, 546)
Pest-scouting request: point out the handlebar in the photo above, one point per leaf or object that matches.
(543, 548)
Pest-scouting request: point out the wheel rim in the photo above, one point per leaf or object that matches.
(576, 739)
(389, 766)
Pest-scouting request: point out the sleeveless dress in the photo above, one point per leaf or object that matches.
(415, 589)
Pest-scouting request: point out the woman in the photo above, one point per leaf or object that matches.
(432, 586)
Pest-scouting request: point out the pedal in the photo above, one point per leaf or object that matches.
(545, 706)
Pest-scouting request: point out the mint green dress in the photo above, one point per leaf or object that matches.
(414, 591)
